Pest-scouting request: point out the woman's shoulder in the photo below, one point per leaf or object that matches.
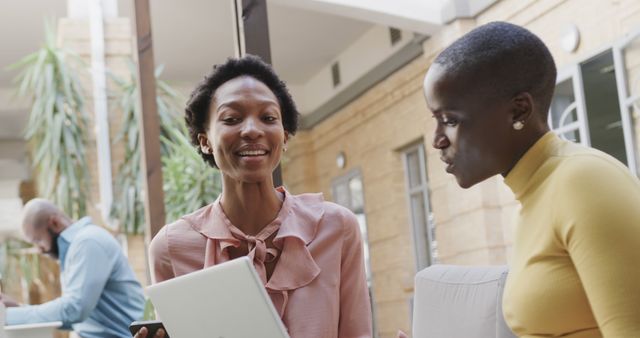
(576, 158)
(191, 221)
(337, 218)
(591, 170)
(337, 210)
(326, 214)
(315, 202)
(182, 232)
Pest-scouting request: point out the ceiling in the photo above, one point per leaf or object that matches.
(190, 36)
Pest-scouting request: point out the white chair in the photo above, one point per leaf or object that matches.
(460, 302)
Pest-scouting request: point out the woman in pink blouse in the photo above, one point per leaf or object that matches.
(307, 251)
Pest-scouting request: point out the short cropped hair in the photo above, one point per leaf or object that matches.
(197, 109)
(506, 58)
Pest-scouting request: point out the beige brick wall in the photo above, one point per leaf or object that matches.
(473, 226)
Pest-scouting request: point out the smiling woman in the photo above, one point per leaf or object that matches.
(244, 131)
(307, 252)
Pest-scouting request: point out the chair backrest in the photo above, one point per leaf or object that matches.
(460, 302)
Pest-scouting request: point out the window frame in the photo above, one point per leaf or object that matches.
(422, 244)
(625, 99)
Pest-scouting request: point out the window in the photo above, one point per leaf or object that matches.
(591, 104)
(420, 213)
(348, 192)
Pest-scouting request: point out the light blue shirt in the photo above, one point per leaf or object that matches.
(100, 293)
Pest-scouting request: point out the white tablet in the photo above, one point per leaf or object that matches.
(38, 330)
(224, 301)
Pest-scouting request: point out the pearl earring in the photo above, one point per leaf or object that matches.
(518, 125)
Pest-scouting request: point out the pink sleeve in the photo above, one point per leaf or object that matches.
(159, 258)
(355, 306)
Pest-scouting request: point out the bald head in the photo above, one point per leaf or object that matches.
(42, 223)
(37, 213)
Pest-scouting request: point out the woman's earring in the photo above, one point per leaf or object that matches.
(284, 149)
(518, 125)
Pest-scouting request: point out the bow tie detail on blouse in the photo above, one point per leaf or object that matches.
(258, 251)
(295, 226)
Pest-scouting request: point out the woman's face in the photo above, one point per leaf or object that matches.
(474, 133)
(244, 132)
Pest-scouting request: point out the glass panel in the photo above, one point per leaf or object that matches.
(418, 212)
(348, 192)
(413, 167)
(341, 191)
(362, 221)
(602, 105)
(419, 218)
(434, 242)
(355, 188)
(563, 111)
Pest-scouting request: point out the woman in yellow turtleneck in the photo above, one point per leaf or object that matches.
(575, 271)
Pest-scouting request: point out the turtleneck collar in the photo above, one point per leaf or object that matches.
(519, 178)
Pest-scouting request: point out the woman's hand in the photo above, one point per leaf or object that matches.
(402, 334)
(142, 333)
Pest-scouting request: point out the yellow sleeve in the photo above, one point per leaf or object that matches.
(599, 224)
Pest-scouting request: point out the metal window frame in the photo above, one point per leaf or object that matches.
(574, 73)
(344, 179)
(626, 101)
(423, 250)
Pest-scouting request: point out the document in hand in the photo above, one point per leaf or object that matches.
(224, 301)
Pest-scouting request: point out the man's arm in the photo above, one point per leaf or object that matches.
(88, 268)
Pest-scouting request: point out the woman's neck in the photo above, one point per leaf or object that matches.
(250, 206)
(530, 138)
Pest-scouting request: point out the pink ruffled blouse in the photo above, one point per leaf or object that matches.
(318, 285)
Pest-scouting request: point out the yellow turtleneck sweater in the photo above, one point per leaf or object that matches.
(575, 270)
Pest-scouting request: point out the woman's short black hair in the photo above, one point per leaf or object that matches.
(197, 110)
(504, 58)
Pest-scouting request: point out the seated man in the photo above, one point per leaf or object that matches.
(100, 293)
